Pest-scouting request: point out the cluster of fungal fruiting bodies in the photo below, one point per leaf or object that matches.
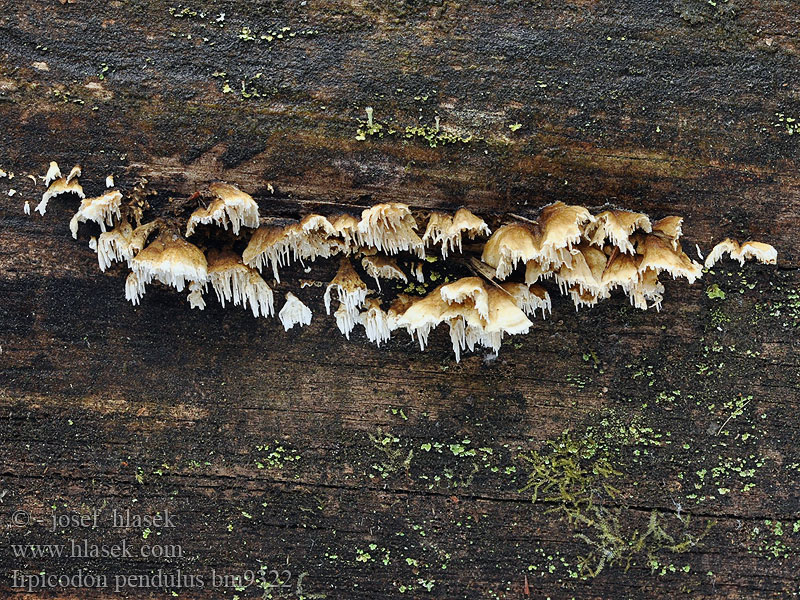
(587, 255)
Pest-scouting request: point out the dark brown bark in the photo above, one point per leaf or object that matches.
(668, 108)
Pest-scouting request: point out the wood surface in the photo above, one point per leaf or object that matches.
(392, 473)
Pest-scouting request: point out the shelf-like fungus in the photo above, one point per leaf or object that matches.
(382, 267)
(171, 260)
(448, 231)
(60, 185)
(351, 292)
(762, 252)
(233, 281)
(123, 242)
(230, 206)
(617, 226)
(390, 228)
(294, 312)
(101, 210)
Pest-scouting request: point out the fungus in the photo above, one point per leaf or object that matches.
(123, 242)
(670, 228)
(230, 205)
(195, 296)
(622, 270)
(617, 226)
(661, 254)
(53, 173)
(560, 226)
(469, 291)
(447, 231)
(109, 181)
(509, 245)
(234, 281)
(74, 173)
(27, 208)
(383, 267)
(294, 312)
(647, 287)
(529, 298)
(584, 271)
(93, 243)
(100, 210)
(467, 326)
(346, 226)
(308, 239)
(134, 288)
(58, 187)
(351, 291)
(764, 253)
(266, 247)
(377, 324)
(390, 227)
(171, 260)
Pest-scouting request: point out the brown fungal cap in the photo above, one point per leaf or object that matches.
(123, 242)
(171, 260)
(230, 206)
(659, 255)
(670, 228)
(382, 267)
(390, 228)
(447, 231)
(234, 281)
(509, 245)
(58, 187)
(762, 252)
(101, 210)
(617, 226)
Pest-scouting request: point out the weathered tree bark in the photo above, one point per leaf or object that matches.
(382, 473)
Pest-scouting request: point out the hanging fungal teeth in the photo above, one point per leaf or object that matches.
(670, 228)
(589, 257)
(123, 242)
(231, 206)
(171, 260)
(621, 271)
(762, 252)
(100, 210)
(234, 281)
(647, 287)
(346, 226)
(529, 298)
(195, 296)
(585, 272)
(351, 292)
(448, 231)
(294, 312)
(382, 267)
(468, 291)
(661, 254)
(134, 288)
(377, 324)
(560, 226)
(309, 239)
(53, 173)
(508, 246)
(390, 228)
(60, 185)
(617, 227)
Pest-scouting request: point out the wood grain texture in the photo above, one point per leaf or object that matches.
(668, 108)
